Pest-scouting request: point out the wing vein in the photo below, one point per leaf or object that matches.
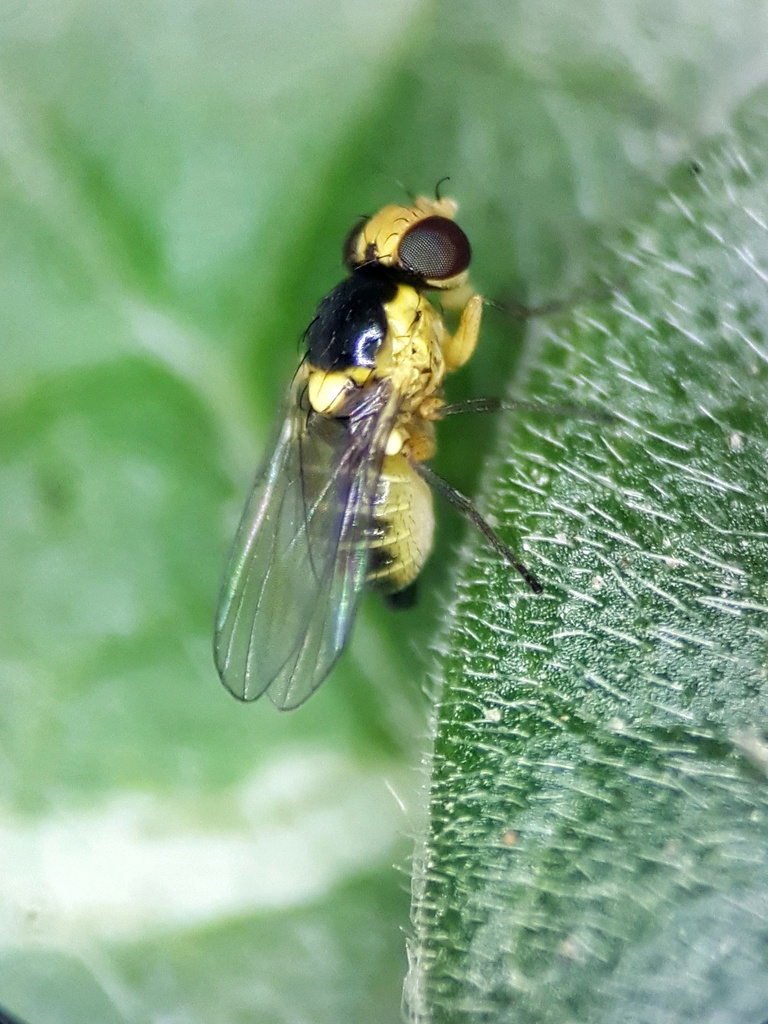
(299, 559)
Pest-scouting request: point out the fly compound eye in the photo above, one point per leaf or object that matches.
(435, 248)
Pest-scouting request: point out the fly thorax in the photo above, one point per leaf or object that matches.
(329, 390)
(412, 356)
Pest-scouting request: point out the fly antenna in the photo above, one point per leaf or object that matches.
(438, 197)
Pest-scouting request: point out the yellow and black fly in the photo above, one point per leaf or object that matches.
(343, 497)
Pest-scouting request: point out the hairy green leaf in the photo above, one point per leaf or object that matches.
(598, 806)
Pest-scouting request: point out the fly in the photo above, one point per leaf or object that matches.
(343, 498)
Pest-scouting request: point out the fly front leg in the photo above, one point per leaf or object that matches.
(458, 348)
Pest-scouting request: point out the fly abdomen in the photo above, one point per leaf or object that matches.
(403, 525)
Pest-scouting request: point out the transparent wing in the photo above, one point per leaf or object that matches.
(300, 555)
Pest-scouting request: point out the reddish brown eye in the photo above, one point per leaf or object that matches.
(435, 248)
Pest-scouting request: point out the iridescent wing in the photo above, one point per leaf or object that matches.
(299, 559)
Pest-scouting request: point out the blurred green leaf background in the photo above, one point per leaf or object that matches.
(175, 182)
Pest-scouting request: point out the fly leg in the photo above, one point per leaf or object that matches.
(465, 506)
(458, 348)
